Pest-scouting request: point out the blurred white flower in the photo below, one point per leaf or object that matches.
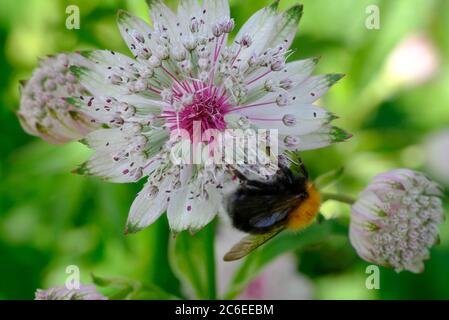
(87, 292)
(395, 220)
(44, 112)
(278, 280)
(414, 61)
(436, 148)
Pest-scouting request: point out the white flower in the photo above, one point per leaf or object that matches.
(43, 110)
(87, 292)
(395, 220)
(185, 72)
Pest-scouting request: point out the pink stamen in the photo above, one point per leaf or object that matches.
(174, 78)
(187, 85)
(253, 105)
(259, 77)
(206, 108)
(264, 119)
(217, 53)
(148, 164)
(236, 56)
(154, 90)
(218, 46)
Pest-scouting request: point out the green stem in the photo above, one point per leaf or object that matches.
(338, 197)
(210, 249)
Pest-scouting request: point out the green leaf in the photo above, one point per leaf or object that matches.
(116, 289)
(279, 245)
(127, 289)
(192, 258)
(328, 178)
(152, 292)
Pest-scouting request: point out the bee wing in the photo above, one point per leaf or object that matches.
(250, 243)
(261, 212)
(274, 210)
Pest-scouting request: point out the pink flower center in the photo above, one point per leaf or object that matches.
(206, 108)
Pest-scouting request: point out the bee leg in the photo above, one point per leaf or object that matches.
(286, 174)
(303, 169)
(254, 183)
(261, 185)
(239, 175)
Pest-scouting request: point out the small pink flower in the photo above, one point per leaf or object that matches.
(278, 280)
(414, 61)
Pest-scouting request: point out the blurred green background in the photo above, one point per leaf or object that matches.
(50, 218)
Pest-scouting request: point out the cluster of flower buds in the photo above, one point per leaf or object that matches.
(87, 292)
(223, 27)
(44, 111)
(395, 220)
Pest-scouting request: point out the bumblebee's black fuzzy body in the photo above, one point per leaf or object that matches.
(258, 207)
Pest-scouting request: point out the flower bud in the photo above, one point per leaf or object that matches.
(179, 53)
(286, 84)
(217, 30)
(246, 41)
(282, 99)
(228, 25)
(162, 52)
(395, 220)
(289, 120)
(43, 110)
(278, 65)
(190, 43)
(194, 26)
(271, 85)
(155, 62)
(291, 142)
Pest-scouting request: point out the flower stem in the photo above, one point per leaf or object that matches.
(338, 197)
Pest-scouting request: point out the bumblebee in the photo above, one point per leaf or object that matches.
(287, 200)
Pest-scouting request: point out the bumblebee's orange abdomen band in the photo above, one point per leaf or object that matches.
(304, 214)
